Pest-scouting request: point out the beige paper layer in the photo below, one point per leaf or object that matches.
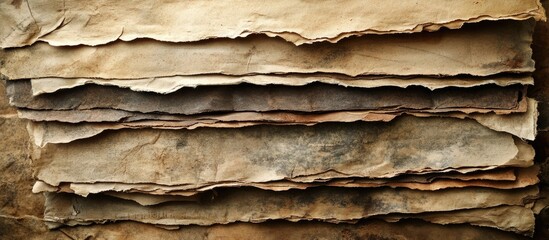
(72, 23)
(522, 125)
(84, 189)
(165, 85)
(508, 218)
(160, 194)
(270, 153)
(250, 205)
(481, 49)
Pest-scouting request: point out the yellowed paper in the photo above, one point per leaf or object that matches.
(480, 49)
(69, 22)
(165, 85)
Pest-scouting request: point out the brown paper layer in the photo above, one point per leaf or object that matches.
(251, 205)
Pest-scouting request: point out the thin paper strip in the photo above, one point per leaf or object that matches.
(165, 85)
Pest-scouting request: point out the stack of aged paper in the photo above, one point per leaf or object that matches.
(242, 115)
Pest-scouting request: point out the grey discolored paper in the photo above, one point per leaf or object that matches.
(253, 98)
(269, 153)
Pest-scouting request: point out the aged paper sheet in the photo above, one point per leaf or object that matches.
(69, 22)
(252, 205)
(481, 49)
(203, 156)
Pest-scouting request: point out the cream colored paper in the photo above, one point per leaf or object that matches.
(165, 85)
(70, 22)
(270, 153)
(481, 49)
(251, 205)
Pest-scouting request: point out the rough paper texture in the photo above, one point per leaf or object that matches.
(522, 125)
(253, 98)
(99, 22)
(6, 110)
(509, 218)
(158, 193)
(149, 199)
(270, 153)
(501, 175)
(525, 177)
(480, 49)
(251, 205)
(16, 198)
(34, 229)
(166, 85)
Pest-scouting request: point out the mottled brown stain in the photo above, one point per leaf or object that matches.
(516, 62)
(16, 3)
